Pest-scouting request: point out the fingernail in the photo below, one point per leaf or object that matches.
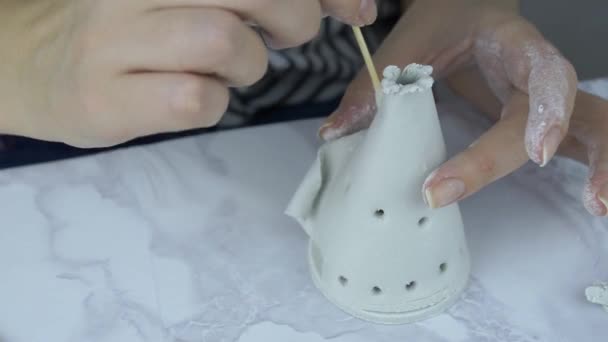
(550, 144)
(603, 196)
(445, 192)
(367, 12)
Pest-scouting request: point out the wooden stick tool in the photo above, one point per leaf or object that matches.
(367, 57)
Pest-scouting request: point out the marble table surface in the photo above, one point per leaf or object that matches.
(186, 241)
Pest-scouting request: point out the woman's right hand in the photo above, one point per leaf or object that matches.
(98, 73)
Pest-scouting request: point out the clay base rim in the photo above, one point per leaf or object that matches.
(388, 318)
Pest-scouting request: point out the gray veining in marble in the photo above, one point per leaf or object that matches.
(185, 241)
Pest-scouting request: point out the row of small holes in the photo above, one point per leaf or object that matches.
(379, 213)
(376, 290)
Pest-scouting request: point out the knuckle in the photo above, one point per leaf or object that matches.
(559, 71)
(220, 39)
(218, 36)
(486, 165)
(188, 99)
(482, 166)
(202, 104)
(258, 69)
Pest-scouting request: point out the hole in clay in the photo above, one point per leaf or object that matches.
(443, 267)
(379, 213)
(407, 79)
(423, 221)
(342, 280)
(410, 286)
(376, 290)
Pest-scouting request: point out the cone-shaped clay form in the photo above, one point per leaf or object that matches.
(376, 250)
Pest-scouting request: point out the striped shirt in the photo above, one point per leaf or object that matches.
(316, 72)
(311, 74)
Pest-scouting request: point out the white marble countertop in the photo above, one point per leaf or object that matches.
(186, 241)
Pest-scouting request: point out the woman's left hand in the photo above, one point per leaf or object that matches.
(501, 150)
(500, 62)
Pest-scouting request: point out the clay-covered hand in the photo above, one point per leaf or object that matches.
(514, 63)
(98, 73)
(501, 150)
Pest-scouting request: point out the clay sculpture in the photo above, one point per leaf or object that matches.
(376, 250)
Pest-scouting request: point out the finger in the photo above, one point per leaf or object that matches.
(353, 12)
(470, 84)
(285, 23)
(355, 112)
(537, 68)
(150, 103)
(589, 126)
(288, 23)
(497, 153)
(358, 105)
(200, 41)
(552, 88)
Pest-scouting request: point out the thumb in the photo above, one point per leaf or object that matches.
(358, 105)
(355, 112)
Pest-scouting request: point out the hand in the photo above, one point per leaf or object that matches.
(98, 73)
(501, 150)
(533, 86)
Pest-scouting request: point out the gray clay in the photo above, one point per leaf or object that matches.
(376, 250)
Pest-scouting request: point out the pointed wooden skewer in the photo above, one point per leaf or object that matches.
(373, 74)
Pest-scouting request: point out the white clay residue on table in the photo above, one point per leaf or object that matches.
(598, 294)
